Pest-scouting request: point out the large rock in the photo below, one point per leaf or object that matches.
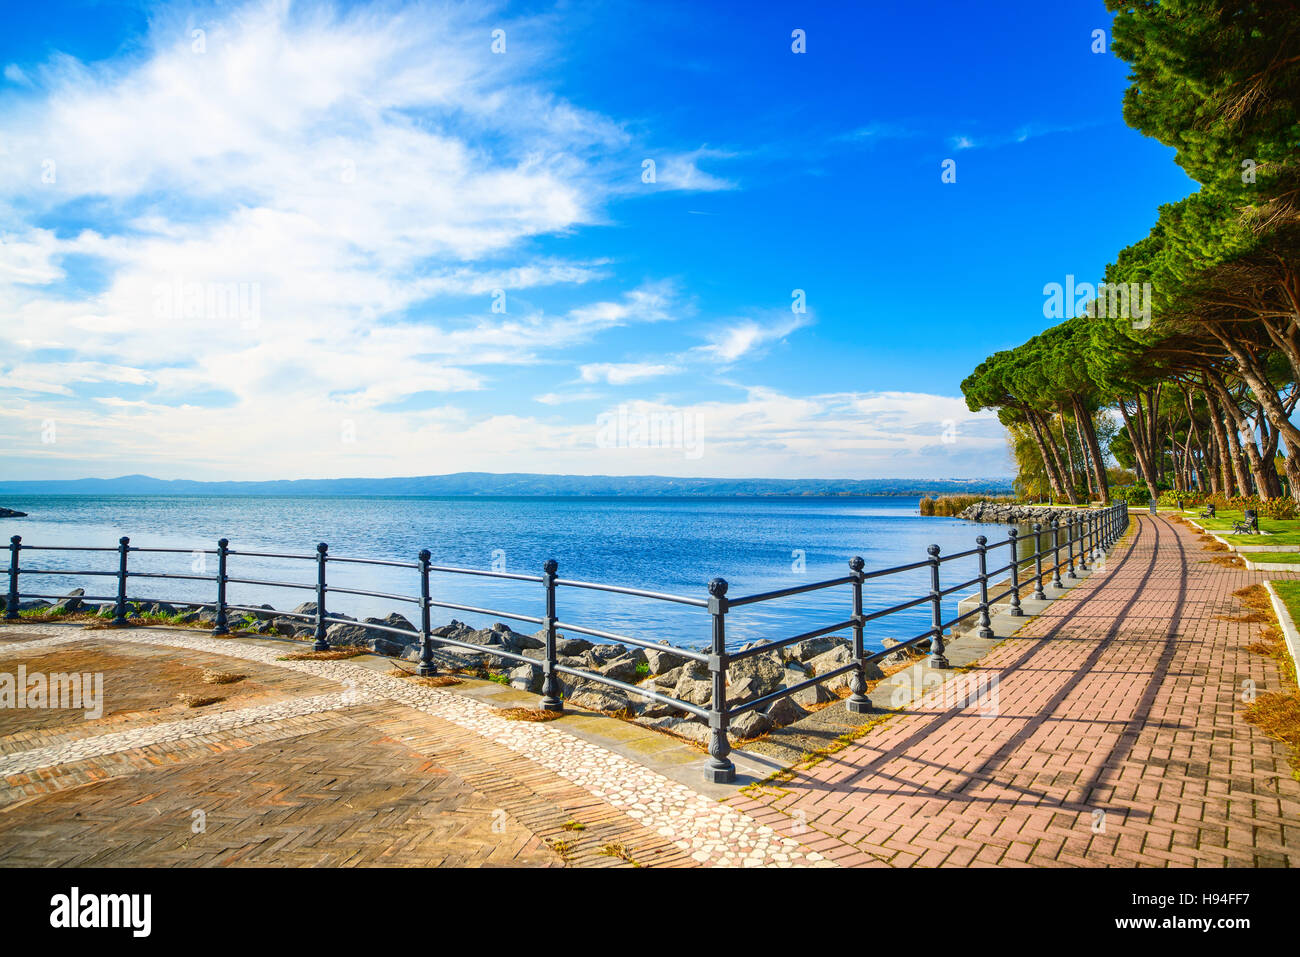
(526, 678)
(760, 674)
(813, 695)
(810, 648)
(382, 646)
(750, 725)
(682, 727)
(694, 684)
(71, 601)
(663, 659)
(621, 669)
(571, 646)
(784, 711)
(601, 699)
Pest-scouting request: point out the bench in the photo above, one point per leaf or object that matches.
(1248, 525)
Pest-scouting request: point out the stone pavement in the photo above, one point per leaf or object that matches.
(1114, 738)
(323, 763)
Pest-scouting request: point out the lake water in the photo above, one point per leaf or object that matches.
(668, 545)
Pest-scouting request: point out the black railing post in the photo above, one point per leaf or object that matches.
(937, 659)
(1056, 553)
(858, 702)
(11, 603)
(1069, 547)
(720, 770)
(221, 626)
(1014, 535)
(550, 679)
(321, 643)
(119, 608)
(985, 624)
(1085, 527)
(1039, 594)
(427, 667)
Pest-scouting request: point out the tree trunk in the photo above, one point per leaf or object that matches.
(1036, 430)
(1069, 452)
(1250, 370)
(1141, 451)
(1094, 449)
(1067, 491)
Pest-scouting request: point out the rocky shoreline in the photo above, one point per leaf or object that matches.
(1004, 514)
(662, 670)
(11, 513)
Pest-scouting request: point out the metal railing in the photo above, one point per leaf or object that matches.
(1084, 538)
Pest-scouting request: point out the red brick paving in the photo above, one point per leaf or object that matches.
(1117, 740)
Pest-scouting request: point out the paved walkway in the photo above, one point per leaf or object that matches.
(1116, 740)
(323, 763)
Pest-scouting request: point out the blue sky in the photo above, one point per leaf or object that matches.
(282, 240)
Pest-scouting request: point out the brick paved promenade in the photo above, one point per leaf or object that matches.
(1117, 740)
(325, 763)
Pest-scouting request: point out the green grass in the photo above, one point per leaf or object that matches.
(1225, 520)
(1277, 538)
(1279, 558)
(1289, 592)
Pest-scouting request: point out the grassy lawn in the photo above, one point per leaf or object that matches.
(1277, 538)
(1280, 558)
(1225, 521)
(1289, 592)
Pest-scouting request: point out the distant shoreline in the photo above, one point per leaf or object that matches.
(485, 485)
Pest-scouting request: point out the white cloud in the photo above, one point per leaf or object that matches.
(621, 373)
(749, 336)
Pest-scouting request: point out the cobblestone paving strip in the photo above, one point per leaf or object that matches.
(710, 832)
(24, 761)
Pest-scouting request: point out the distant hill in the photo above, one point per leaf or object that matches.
(514, 484)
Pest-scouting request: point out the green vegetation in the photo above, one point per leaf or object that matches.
(1274, 558)
(1289, 592)
(1193, 337)
(949, 505)
(1282, 538)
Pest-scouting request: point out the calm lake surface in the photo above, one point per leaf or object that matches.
(668, 545)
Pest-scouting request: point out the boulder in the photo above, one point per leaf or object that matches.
(382, 646)
(784, 711)
(813, 695)
(571, 646)
(603, 699)
(839, 656)
(306, 608)
(526, 678)
(750, 725)
(347, 634)
(810, 648)
(668, 680)
(697, 691)
(621, 669)
(682, 727)
(71, 601)
(661, 660)
(761, 673)
(602, 654)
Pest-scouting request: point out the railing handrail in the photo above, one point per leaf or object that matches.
(1094, 531)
